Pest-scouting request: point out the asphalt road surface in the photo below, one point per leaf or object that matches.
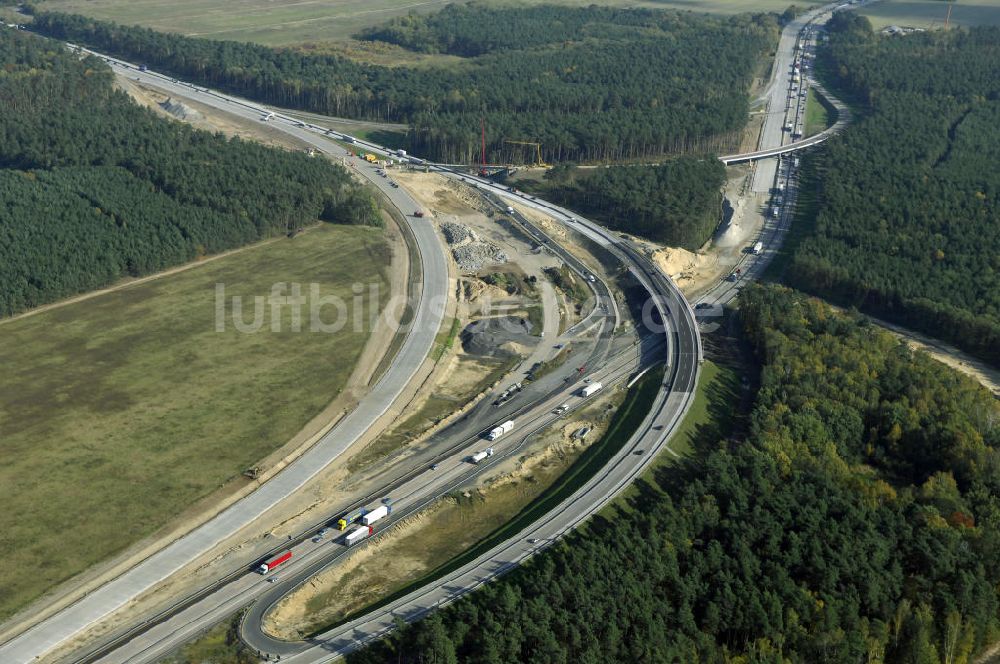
(773, 133)
(117, 593)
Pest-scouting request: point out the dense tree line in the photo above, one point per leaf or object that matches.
(908, 219)
(94, 188)
(586, 83)
(677, 202)
(859, 521)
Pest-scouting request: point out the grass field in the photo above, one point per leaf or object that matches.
(931, 13)
(288, 23)
(119, 412)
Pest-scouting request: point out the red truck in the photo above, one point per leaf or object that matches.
(279, 559)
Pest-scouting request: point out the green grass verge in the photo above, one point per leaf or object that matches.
(384, 137)
(710, 418)
(626, 420)
(568, 282)
(543, 369)
(446, 339)
(121, 411)
(819, 113)
(537, 319)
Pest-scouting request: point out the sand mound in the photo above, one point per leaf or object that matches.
(734, 232)
(680, 263)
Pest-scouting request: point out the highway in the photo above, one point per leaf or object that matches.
(683, 351)
(429, 308)
(776, 170)
(679, 331)
(652, 437)
(683, 362)
(411, 491)
(774, 140)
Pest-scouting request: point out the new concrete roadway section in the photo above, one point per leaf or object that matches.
(101, 603)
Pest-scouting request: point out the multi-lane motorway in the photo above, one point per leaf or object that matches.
(776, 167)
(428, 308)
(677, 330)
(102, 603)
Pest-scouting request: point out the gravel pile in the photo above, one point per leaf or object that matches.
(457, 233)
(487, 337)
(470, 252)
(473, 256)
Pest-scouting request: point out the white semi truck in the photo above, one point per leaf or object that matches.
(496, 432)
(588, 390)
(379, 512)
(357, 535)
(479, 456)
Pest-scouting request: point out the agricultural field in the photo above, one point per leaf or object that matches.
(121, 411)
(290, 23)
(931, 13)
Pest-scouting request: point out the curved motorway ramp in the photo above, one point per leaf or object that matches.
(98, 605)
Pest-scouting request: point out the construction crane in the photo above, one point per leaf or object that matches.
(538, 151)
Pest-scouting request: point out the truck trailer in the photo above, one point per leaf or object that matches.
(588, 390)
(758, 247)
(353, 517)
(270, 564)
(357, 535)
(479, 456)
(496, 432)
(379, 512)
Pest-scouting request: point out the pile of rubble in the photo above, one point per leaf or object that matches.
(457, 234)
(470, 252)
(473, 256)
